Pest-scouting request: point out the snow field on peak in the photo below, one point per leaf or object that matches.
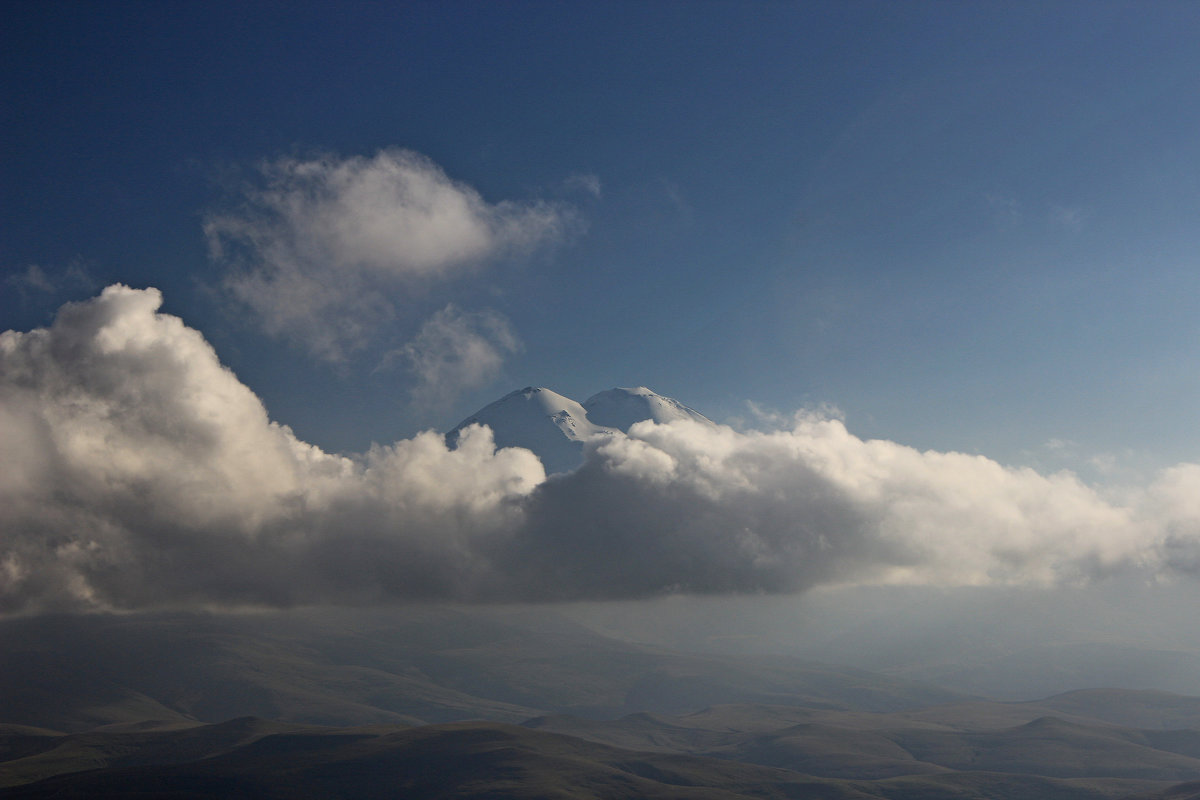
(621, 408)
(555, 427)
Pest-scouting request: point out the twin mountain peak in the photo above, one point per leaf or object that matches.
(554, 427)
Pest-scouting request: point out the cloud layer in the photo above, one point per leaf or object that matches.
(139, 472)
(320, 249)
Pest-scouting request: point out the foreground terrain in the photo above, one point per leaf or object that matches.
(446, 703)
(727, 752)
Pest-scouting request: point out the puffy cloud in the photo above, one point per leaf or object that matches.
(456, 351)
(123, 404)
(139, 472)
(707, 509)
(319, 248)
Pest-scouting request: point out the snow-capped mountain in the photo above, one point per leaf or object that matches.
(554, 427)
(621, 408)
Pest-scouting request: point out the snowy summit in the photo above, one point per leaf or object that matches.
(621, 408)
(555, 427)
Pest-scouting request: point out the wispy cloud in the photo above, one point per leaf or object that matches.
(585, 182)
(1005, 209)
(677, 200)
(456, 351)
(320, 248)
(36, 279)
(32, 278)
(1071, 218)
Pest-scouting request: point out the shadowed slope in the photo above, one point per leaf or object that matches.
(403, 666)
(478, 760)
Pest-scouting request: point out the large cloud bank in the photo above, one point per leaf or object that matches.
(139, 472)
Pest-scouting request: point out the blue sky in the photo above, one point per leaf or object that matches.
(969, 226)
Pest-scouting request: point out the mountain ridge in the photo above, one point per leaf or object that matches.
(554, 427)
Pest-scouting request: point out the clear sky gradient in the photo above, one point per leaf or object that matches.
(968, 226)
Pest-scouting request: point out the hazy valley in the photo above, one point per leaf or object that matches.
(525, 702)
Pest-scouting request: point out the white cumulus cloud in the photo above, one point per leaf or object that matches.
(139, 472)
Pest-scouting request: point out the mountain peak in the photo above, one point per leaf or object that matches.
(555, 427)
(538, 419)
(621, 408)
